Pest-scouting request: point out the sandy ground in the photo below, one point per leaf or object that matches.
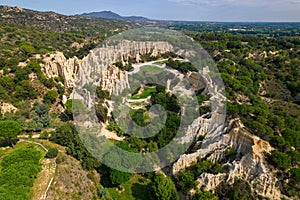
(110, 135)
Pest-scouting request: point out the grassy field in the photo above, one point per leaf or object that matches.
(146, 92)
(43, 177)
(138, 188)
(19, 145)
(161, 62)
(151, 69)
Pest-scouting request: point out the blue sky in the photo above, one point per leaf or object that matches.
(197, 10)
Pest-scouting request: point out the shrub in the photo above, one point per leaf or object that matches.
(295, 172)
(280, 160)
(185, 181)
(118, 177)
(164, 188)
(102, 94)
(50, 96)
(9, 130)
(203, 195)
(44, 135)
(52, 153)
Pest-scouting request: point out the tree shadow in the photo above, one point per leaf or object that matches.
(105, 179)
(6, 143)
(142, 192)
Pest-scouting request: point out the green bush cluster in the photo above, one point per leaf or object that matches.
(9, 130)
(67, 135)
(164, 188)
(18, 172)
(52, 153)
(187, 179)
(183, 67)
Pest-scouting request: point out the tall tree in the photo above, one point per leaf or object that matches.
(117, 177)
(164, 188)
(204, 195)
(10, 130)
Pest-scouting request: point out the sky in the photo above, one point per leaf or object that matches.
(191, 10)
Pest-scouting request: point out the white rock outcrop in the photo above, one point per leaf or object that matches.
(98, 66)
(98, 69)
(251, 167)
(219, 136)
(7, 107)
(58, 65)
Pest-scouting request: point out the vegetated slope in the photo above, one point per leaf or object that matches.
(82, 33)
(71, 181)
(22, 81)
(58, 23)
(37, 101)
(261, 76)
(19, 169)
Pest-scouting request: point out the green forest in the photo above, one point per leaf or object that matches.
(260, 70)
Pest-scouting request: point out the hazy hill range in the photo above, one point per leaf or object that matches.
(112, 15)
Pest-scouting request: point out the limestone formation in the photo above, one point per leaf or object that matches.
(12, 9)
(196, 80)
(98, 69)
(57, 65)
(211, 127)
(98, 66)
(7, 107)
(219, 136)
(251, 167)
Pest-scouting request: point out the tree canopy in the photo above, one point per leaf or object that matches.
(10, 129)
(164, 188)
(118, 177)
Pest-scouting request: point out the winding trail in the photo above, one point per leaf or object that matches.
(44, 148)
(138, 66)
(110, 135)
(39, 144)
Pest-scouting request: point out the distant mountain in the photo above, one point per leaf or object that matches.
(112, 15)
(59, 23)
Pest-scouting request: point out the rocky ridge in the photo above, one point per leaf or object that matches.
(99, 67)
(251, 166)
(58, 65)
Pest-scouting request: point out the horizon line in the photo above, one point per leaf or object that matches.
(162, 20)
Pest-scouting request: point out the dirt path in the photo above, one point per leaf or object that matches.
(138, 66)
(110, 135)
(45, 176)
(138, 100)
(39, 144)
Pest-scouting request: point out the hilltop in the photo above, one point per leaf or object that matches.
(112, 15)
(59, 23)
